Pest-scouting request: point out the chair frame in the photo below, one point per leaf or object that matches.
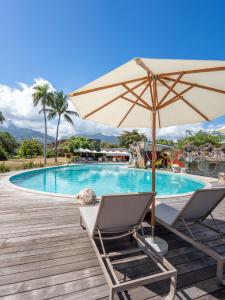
(167, 270)
(220, 259)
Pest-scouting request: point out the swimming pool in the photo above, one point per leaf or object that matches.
(103, 179)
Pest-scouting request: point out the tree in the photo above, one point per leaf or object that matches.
(76, 142)
(2, 119)
(165, 142)
(59, 108)
(30, 148)
(3, 154)
(8, 143)
(199, 138)
(44, 97)
(129, 137)
(108, 145)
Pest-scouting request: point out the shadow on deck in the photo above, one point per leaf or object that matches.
(44, 254)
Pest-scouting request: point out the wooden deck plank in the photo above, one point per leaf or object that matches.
(44, 254)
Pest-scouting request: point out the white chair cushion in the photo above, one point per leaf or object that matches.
(89, 216)
(166, 213)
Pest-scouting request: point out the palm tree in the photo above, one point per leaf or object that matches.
(59, 107)
(2, 119)
(43, 96)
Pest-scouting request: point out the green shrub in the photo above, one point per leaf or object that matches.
(4, 168)
(30, 165)
(50, 153)
(8, 143)
(30, 148)
(3, 154)
(39, 165)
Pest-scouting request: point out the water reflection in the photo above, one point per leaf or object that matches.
(103, 179)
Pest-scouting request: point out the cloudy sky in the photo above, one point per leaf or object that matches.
(17, 106)
(73, 44)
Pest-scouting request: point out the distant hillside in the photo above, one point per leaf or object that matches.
(104, 138)
(25, 133)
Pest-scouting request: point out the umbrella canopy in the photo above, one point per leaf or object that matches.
(186, 91)
(103, 152)
(154, 93)
(87, 150)
(124, 153)
(80, 150)
(222, 130)
(114, 153)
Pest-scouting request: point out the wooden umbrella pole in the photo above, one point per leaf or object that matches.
(153, 94)
(154, 102)
(153, 170)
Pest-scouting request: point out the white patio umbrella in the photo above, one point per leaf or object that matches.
(80, 150)
(103, 152)
(88, 150)
(124, 153)
(150, 93)
(222, 130)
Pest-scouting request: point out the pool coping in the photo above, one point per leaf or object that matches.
(208, 181)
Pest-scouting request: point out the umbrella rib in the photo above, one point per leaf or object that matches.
(112, 100)
(158, 113)
(171, 88)
(150, 87)
(195, 109)
(132, 101)
(136, 95)
(179, 96)
(175, 98)
(140, 62)
(214, 69)
(106, 86)
(205, 87)
(132, 106)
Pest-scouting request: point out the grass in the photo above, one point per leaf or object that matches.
(37, 162)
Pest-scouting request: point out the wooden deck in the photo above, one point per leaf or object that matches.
(44, 254)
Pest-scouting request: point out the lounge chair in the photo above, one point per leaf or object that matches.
(199, 207)
(118, 216)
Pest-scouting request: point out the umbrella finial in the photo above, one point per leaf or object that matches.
(140, 62)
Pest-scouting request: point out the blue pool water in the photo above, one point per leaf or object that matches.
(103, 179)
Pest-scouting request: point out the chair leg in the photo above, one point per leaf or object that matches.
(81, 223)
(131, 237)
(173, 286)
(219, 272)
(111, 294)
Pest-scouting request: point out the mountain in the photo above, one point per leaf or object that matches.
(25, 133)
(104, 138)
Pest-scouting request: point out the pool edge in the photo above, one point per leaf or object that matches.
(205, 180)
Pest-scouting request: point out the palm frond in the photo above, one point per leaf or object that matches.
(68, 119)
(2, 118)
(52, 114)
(72, 113)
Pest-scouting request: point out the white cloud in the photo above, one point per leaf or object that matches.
(17, 107)
(175, 132)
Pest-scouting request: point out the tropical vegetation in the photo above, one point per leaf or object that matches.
(2, 118)
(76, 142)
(8, 145)
(129, 137)
(30, 148)
(43, 96)
(200, 138)
(59, 109)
